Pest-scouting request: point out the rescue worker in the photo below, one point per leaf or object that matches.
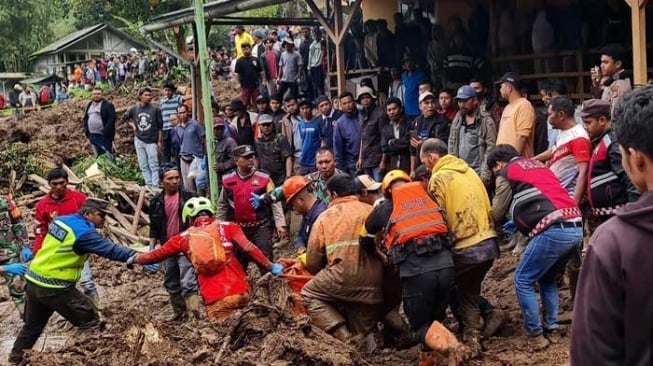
(234, 203)
(56, 268)
(61, 201)
(179, 278)
(343, 297)
(14, 248)
(300, 198)
(543, 210)
(368, 190)
(222, 281)
(462, 195)
(416, 242)
(608, 186)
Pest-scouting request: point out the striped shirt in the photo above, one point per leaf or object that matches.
(168, 108)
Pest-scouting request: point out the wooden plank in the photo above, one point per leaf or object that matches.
(638, 23)
(137, 212)
(39, 180)
(72, 177)
(323, 21)
(127, 199)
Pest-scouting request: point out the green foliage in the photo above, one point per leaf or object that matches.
(22, 158)
(80, 93)
(121, 167)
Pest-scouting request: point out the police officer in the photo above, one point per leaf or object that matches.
(57, 267)
(13, 249)
(416, 240)
(234, 203)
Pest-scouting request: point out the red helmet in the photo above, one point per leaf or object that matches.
(293, 185)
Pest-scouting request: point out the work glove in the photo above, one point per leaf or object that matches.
(15, 269)
(256, 200)
(151, 268)
(276, 269)
(509, 227)
(26, 254)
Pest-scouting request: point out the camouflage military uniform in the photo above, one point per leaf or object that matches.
(13, 235)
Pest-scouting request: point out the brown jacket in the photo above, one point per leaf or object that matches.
(342, 269)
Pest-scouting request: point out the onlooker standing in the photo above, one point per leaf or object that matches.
(146, 121)
(62, 94)
(609, 187)
(517, 126)
(190, 136)
(473, 133)
(242, 123)
(308, 132)
(373, 119)
(28, 100)
(411, 79)
(169, 103)
(249, 75)
(396, 89)
(609, 82)
(241, 38)
(274, 152)
(290, 69)
(428, 125)
(395, 138)
(14, 99)
(100, 123)
(271, 66)
(612, 315)
(329, 116)
(315, 64)
(347, 135)
(224, 145)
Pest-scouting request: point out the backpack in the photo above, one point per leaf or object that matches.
(207, 254)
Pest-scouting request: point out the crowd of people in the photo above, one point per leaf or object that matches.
(405, 200)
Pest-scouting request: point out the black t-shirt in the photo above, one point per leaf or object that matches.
(148, 120)
(272, 156)
(249, 70)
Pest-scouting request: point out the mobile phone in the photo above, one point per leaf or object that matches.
(414, 134)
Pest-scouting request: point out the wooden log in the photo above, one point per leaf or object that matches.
(21, 182)
(127, 235)
(120, 218)
(137, 212)
(72, 177)
(39, 180)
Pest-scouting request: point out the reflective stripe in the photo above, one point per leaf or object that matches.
(340, 244)
(47, 282)
(602, 179)
(418, 227)
(415, 214)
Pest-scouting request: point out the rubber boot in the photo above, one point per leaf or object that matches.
(493, 322)
(178, 307)
(193, 304)
(341, 333)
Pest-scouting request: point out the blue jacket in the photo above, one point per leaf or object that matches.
(92, 242)
(307, 223)
(347, 141)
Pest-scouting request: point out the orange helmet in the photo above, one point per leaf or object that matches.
(293, 185)
(393, 176)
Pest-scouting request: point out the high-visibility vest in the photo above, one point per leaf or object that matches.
(414, 215)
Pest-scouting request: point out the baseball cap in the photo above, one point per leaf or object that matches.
(593, 107)
(217, 121)
(243, 150)
(510, 77)
(465, 92)
(425, 95)
(365, 90)
(262, 99)
(368, 183)
(96, 204)
(265, 118)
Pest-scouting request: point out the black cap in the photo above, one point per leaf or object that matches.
(236, 105)
(96, 204)
(307, 102)
(262, 99)
(510, 77)
(243, 150)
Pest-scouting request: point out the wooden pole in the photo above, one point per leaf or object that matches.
(137, 212)
(340, 49)
(638, 16)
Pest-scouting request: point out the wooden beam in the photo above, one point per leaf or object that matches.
(340, 49)
(350, 20)
(638, 16)
(323, 21)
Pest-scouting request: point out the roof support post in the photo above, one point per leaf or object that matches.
(638, 16)
(202, 55)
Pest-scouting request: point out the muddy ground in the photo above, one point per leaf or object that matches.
(135, 309)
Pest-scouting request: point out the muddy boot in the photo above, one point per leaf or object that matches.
(193, 304)
(178, 307)
(493, 322)
(341, 333)
(473, 343)
(426, 359)
(538, 343)
(15, 358)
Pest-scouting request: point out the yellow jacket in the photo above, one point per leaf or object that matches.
(462, 195)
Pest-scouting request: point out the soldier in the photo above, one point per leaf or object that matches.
(14, 248)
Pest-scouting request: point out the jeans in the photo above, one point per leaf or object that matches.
(148, 161)
(101, 144)
(426, 297)
(167, 146)
(317, 78)
(375, 173)
(42, 302)
(86, 281)
(543, 259)
(179, 276)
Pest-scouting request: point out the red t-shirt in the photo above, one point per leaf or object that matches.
(171, 203)
(48, 209)
(271, 58)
